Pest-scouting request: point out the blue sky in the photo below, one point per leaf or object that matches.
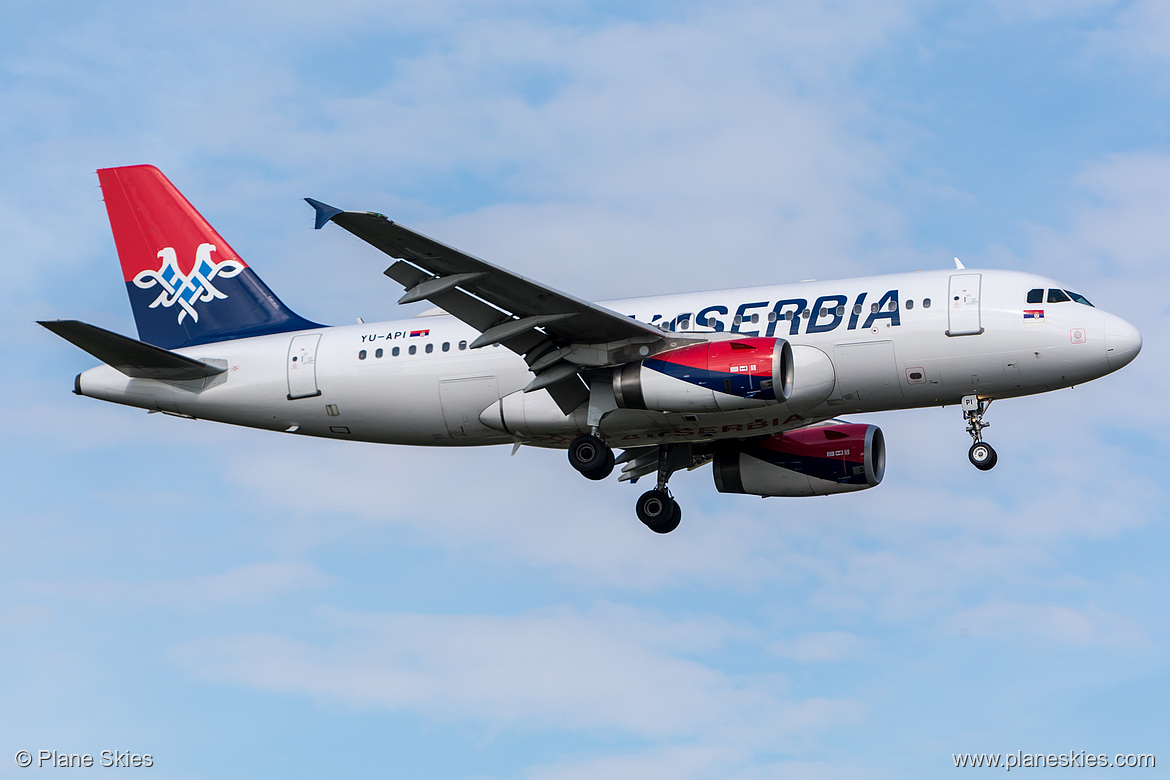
(238, 603)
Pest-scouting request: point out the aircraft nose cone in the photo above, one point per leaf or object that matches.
(1122, 342)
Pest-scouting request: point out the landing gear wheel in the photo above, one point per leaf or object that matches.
(658, 511)
(591, 456)
(602, 471)
(982, 456)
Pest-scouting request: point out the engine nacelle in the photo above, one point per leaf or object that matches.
(718, 376)
(814, 461)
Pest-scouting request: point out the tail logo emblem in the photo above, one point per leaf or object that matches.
(187, 289)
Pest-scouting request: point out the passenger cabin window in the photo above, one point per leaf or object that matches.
(362, 355)
(430, 348)
(1036, 296)
(462, 345)
(394, 352)
(926, 303)
(1057, 296)
(378, 352)
(413, 349)
(1078, 298)
(446, 346)
(910, 304)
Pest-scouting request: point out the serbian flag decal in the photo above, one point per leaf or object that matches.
(1033, 315)
(414, 334)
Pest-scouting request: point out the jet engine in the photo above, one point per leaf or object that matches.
(815, 461)
(718, 376)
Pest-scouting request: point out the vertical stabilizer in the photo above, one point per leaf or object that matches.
(186, 284)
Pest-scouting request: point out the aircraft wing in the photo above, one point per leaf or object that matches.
(558, 334)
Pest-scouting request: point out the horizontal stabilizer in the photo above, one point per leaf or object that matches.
(133, 358)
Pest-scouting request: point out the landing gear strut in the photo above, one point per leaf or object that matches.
(981, 454)
(590, 455)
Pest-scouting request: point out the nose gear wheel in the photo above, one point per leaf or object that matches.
(982, 455)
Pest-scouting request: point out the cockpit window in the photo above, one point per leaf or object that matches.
(1057, 296)
(1078, 298)
(1036, 296)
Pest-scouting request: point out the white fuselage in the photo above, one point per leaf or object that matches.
(415, 381)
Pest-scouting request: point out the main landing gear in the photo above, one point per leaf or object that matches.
(656, 508)
(591, 456)
(981, 454)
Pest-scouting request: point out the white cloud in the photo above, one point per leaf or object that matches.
(825, 646)
(250, 584)
(690, 762)
(1140, 34)
(550, 670)
(1055, 623)
(1048, 10)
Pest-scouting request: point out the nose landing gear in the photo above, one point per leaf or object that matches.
(982, 455)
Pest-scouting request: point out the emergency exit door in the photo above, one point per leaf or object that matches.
(302, 367)
(963, 305)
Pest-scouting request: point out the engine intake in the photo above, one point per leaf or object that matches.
(718, 376)
(816, 461)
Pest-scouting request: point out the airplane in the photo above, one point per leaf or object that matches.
(752, 380)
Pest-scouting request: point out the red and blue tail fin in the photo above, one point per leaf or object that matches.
(186, 284)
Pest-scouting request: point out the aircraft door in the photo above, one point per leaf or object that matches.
(302, 367)
(463, 400)
(963, 305)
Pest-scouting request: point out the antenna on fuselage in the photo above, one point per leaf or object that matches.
(959, 265)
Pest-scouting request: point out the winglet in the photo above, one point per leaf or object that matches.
(325, 212)
(959, 266)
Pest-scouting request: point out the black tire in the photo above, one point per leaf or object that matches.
(658, 511)
(602, 471)
(591, 456)
(982, 456)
